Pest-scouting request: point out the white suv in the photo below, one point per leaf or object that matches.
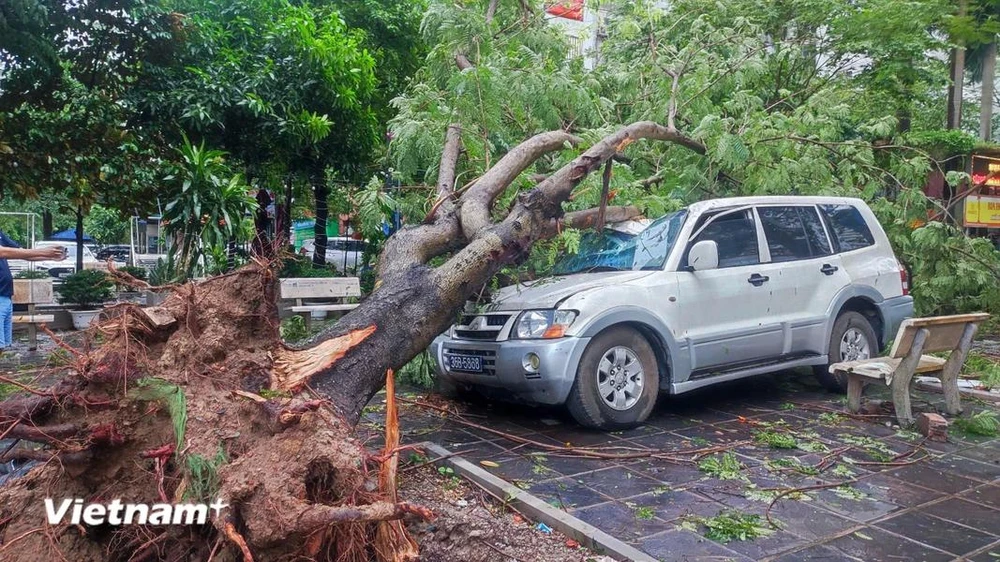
(721, 290)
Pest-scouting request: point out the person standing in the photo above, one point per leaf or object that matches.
(12, 250)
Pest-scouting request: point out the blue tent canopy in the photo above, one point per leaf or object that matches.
(70, 234)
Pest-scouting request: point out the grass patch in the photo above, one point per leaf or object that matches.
(776, 439)
(787, 406)
(730, 525)
(984, 423)
(171, 395)
(203, 473)
(6, 389)
(644, 513)
(724, 467)
(813, 447)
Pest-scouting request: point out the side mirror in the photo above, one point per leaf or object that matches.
(704, 255)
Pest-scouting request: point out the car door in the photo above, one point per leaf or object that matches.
(725, 310)
(805, 275)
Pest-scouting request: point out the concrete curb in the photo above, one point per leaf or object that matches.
(538, 510)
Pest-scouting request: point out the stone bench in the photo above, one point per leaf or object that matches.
(33, 292)
(325, 288)
(915, 337)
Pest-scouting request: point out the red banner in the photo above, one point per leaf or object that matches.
(569, 9)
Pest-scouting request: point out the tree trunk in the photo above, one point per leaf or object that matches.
(414, 301)
(957, 76)
(986, 100)
(322, 193)
(46, 225)
(79, 239)
(261, 240)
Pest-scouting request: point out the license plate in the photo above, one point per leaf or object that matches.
(465, 363)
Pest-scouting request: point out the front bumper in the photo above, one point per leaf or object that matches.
(893, 311)
(504, 374)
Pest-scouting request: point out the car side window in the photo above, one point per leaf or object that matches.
(819, 244)
(793, 233)
(736, 236)
(849, 229)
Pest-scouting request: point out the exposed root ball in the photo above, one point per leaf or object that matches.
(177, 405)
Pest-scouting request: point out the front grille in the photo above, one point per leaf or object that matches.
(489, 358)
(490, 335)
(482, 327)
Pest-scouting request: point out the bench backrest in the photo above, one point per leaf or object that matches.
(320, 287)
(33, 291)
(944, 332)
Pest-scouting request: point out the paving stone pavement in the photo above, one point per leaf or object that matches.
(945, 506)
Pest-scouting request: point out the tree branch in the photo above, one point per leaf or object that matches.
(463, 62)
(589, 218)
(478, 200)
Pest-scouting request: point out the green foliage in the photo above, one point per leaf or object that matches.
(875, 448)
(724, 467)
(791, 463)
(950, 272)
(209, 205)
(165, 272)
(139, 273)
(172, 396)
(730, 525)
(31, 274)
(293, 329)
(983, 368)
(106, 225)
(985, 423)
(942, 143)
(297, 266)
(644, 513)
(776, 439)
(86, 289)
(418, 372)
(203, 476)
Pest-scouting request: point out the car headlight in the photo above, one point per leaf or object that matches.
(545, 324)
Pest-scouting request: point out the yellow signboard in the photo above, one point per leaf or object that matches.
(982, 210)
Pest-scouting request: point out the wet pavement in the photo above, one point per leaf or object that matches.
(901, 498)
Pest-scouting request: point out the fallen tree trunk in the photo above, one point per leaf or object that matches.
(415, 302)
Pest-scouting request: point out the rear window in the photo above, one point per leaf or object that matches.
(793, 233)
(850, 232)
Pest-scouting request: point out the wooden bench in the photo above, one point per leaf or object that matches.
(33, 292)
(915, 337)
(328, 288)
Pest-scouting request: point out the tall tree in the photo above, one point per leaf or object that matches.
(278, 85)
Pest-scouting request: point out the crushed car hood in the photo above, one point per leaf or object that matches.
(548, 292)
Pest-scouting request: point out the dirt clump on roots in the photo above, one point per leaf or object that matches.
(177, 404)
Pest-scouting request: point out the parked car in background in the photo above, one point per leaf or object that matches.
(721, 290)
(58, 268)
(342, 253)
(118, 253)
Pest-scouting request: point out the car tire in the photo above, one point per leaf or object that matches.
(606, 366)
(856, 328)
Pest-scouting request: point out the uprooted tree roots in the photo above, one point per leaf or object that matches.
(180, 404)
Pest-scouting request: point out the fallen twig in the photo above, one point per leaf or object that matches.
(788, 491)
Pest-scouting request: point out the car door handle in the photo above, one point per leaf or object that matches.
(757, 279)
(829, 269)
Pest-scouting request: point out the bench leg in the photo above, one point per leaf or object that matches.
(855, 387)
(902, 377)
(951, 370)
(32, 329)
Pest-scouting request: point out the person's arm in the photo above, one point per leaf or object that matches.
(34, 254)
